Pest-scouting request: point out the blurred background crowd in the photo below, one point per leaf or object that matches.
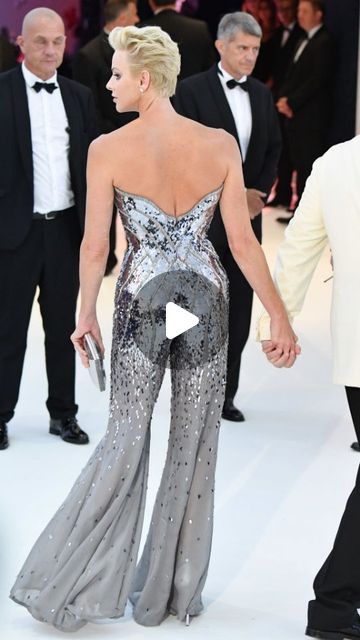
(84, 19)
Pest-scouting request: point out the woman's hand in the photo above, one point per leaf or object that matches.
(77, 338)
(282, 350)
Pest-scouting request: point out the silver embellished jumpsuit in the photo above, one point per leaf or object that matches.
(84, 564)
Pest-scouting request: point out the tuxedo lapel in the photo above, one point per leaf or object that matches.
(75, 132)
(71, 111)
(68, 100)
(256, 125)
(290, 43)
(296, 34)
(222, 104)
(22, 120)
(307, 52)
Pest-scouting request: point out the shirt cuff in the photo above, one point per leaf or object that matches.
(263, 328)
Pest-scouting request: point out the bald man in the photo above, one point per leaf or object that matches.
(46, 125)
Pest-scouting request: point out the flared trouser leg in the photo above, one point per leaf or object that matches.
(173, 567)
(82, 566)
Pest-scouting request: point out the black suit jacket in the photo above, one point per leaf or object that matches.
(8, 54)
(282, 57)
(308, 89)
(92, 67)
(16, 164)
(193, 37)
(202, 98)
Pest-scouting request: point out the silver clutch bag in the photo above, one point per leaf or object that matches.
(97, 372)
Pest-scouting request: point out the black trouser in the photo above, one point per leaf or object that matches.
(285, 170)
(305, 145)
(240, 307)
(337, 585)
(49, 259)
(353, 397)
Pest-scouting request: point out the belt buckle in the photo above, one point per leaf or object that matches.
(49, 216)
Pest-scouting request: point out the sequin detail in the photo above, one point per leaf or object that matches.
(84, 565)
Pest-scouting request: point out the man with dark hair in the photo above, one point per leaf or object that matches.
(305, 95)
(46, 125)
(227, 97)
(193, 37)
(92, 67)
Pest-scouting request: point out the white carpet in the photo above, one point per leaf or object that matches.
(282, 481)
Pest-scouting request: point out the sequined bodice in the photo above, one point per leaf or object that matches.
(159, 242)
(84, 565)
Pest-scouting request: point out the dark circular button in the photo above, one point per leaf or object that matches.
(193, 293)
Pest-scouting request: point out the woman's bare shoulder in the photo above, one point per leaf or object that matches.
(108, 139)
(210, 134)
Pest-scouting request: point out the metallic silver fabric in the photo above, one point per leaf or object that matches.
(84, 564)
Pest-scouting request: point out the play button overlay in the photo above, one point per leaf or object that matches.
(179, 319)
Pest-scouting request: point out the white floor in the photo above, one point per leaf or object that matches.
(282, 480)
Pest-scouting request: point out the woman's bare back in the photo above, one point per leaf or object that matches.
(173, 163)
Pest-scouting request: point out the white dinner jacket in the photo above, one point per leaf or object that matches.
(329, 212)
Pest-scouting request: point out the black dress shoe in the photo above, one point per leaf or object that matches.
(355, 446)
(68, 429)
(348, 633)
(4, 440)
(230, 412)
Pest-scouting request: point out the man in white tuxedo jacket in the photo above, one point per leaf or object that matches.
(329, 213)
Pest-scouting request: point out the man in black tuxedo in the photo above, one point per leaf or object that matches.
(226, 97)
(92, 64)
(46, 125)
(193, 36)
(282, 47)
(305, 94)
(92, 67)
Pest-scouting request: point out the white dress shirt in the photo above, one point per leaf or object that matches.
(239, 103)
(303, 44)
(50, 146)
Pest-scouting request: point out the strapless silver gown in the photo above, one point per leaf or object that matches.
(83, 566)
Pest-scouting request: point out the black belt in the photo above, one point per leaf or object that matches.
(51, 215)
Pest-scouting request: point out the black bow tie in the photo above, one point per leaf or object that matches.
(234, 83)
(48, 86)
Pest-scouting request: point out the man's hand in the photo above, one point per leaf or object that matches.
(284, 108)
(255, 201)
(278, 357)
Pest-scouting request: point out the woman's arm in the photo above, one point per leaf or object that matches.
(249, 255)
(95, 244)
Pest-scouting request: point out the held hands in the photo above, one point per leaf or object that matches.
(255, 201)
(282, 350)
(77, 338)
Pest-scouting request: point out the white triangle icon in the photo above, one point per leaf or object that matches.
(178, 320)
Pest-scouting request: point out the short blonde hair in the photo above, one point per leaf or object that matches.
(150, 49)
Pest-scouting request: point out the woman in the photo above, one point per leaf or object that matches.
(167, 173)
